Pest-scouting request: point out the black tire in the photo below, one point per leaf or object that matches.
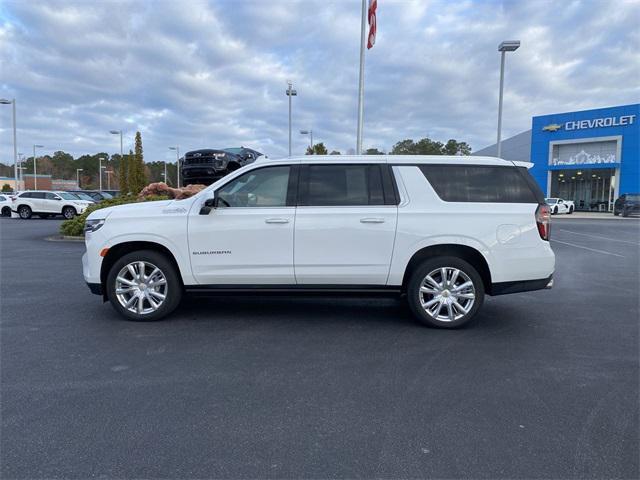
(554, 211)
(6, 212)
(173, 290)
(419, 275)
(69, 212)
(615, 212)
(25, 212)
(570, 210)
(625, 212)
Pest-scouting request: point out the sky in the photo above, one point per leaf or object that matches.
(213, 74)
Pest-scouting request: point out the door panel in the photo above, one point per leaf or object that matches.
(242, 246)
(344, 245)
(248, 238)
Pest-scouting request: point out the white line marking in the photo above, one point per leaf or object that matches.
(598, 236)
(587, 248)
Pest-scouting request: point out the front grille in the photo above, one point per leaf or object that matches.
(198, 160)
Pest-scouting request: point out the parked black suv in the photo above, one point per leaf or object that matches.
(208, 165)
(627, 204)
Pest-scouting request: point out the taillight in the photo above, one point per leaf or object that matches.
(543, 221)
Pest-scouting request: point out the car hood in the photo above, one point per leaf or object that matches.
(143, 209)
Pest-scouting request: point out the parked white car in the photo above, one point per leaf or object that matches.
(5, 205)
(442, 231)
(558, 205)
(48, 204)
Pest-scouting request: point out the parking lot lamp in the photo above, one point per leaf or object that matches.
(290, 93)
(78, 170)
(177, 149)
(4, 101)
(35, 172)
(118, 132)
(310, 133)
(100, 159)
(504, 47)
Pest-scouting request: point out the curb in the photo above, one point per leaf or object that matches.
(64, 238)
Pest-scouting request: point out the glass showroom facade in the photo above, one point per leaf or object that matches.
(590, 157)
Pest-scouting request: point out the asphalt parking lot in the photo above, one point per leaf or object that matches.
(544, 385)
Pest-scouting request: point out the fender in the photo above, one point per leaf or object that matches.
(177, 250)
(400, 259)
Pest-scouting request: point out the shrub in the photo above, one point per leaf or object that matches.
(75, 226)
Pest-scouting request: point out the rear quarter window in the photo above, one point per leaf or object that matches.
(483, 183)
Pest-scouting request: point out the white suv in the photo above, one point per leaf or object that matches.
(442, 231)
(48, 204)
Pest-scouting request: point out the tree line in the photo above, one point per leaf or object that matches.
(130, 173)
(424, 146)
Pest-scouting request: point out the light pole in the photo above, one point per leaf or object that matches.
(177, 149)
(100, 159)
(35, 173)
(165, 172)
(109, 173)
(118, 132)
(4, 101)
(310, 133)
(20, 169)
(290, 93)
(78, 170)
(504, 47)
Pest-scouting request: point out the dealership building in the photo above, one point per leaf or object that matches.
(590, 156)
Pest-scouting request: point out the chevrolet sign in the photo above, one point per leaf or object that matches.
(621, 121)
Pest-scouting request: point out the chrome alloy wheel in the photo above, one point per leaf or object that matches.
(141, 287)
(447, 294)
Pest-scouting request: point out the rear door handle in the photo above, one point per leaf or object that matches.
(276, 220)
(371, 220)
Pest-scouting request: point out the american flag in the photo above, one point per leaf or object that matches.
(373, 4)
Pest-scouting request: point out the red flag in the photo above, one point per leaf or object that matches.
(373, 4)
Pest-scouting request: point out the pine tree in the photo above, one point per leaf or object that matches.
(123, 175)
(140, 174)
(132, 173)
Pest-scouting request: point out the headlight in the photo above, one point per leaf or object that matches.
(93, 225)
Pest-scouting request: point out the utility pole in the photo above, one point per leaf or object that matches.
(290, 93)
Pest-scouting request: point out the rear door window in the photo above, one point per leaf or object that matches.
(342, 185)
(482, 183)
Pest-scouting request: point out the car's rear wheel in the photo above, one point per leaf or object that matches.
(24, 211)
(144, 286)
(625, 212)
(445, 292)
(69, 212)
(615, 212)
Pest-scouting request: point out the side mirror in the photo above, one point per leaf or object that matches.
(209, 204)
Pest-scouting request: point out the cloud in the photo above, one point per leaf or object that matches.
(206, 74)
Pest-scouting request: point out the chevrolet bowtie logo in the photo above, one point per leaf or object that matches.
(554, 127)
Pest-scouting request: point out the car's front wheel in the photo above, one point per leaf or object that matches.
(570, 210)
(24, 211)
(144, 286)
(69, 212)
(445, 292)
(6, 212)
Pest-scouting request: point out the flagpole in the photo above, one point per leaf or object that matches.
(363, 35)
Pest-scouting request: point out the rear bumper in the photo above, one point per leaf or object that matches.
(504, 288)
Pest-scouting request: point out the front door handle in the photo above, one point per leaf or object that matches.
(371, 220)
(276, 220)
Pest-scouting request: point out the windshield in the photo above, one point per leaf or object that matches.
(67, 196)
(106, 195)
(83, 196)
(551, 201)
(237, 151)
